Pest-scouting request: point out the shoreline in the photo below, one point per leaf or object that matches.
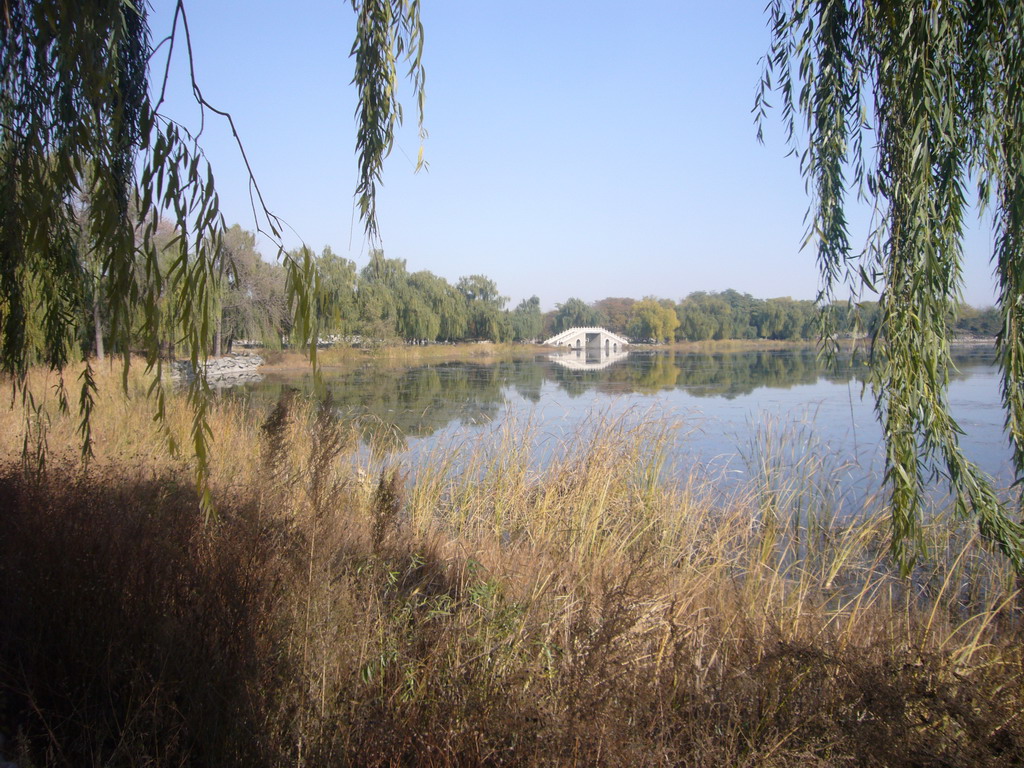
(282, 361)
(335, 357)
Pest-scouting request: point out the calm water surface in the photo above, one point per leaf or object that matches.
(734, 411)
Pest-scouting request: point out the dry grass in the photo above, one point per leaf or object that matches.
(400, 354)
(487, 612)
(406, 354)
(731, 345)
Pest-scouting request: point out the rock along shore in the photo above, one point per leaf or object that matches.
(223, 371)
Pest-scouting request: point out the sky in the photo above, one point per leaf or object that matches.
(575, 149)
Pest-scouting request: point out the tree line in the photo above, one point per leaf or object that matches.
(249, 299)
(383, 303)
(705, 316)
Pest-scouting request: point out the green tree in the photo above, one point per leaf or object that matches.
(485, 307)
(336, 307)
(251, 299)
(704, 316)
(447, 302)
(984, 322)
(786, 319)
(939, 87)
(480, 288)
(576, 313)
(486, 321)
(653, 320)
(417, 321)
(695, 323)
(378, 310)
(381, 293)
(526, 320)
(384, 271)
(743, 306)
(854, 319)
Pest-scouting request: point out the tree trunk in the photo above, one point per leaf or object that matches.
(217, 334)
(97, 323)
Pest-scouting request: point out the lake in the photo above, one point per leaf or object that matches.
(734, 413)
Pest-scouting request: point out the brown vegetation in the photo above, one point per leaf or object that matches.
(404, 354)
(483, 612)
(339, 356)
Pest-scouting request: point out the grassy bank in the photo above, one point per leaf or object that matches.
(492, 613)
(729, 345)
(406, 354)
(403, 354)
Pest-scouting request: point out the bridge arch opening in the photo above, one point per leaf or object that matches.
(591, 338)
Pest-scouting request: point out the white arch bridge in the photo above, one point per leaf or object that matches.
(591, 339)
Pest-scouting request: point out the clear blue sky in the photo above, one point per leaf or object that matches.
(584, 149)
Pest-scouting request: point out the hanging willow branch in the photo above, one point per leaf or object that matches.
(78, 123)
(938, 86)
(386, 32)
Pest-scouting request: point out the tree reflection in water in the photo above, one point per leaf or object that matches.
(395, 404)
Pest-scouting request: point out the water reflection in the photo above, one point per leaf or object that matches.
(589, 359)
(394, 405)
(222, 383)
(726, 374)
(724, 403)
(420, 400)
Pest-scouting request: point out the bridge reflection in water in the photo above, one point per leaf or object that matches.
(589, 359)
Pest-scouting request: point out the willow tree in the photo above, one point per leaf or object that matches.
(915, 106)
(80, 117)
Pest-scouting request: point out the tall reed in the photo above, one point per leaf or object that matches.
(491, 609)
